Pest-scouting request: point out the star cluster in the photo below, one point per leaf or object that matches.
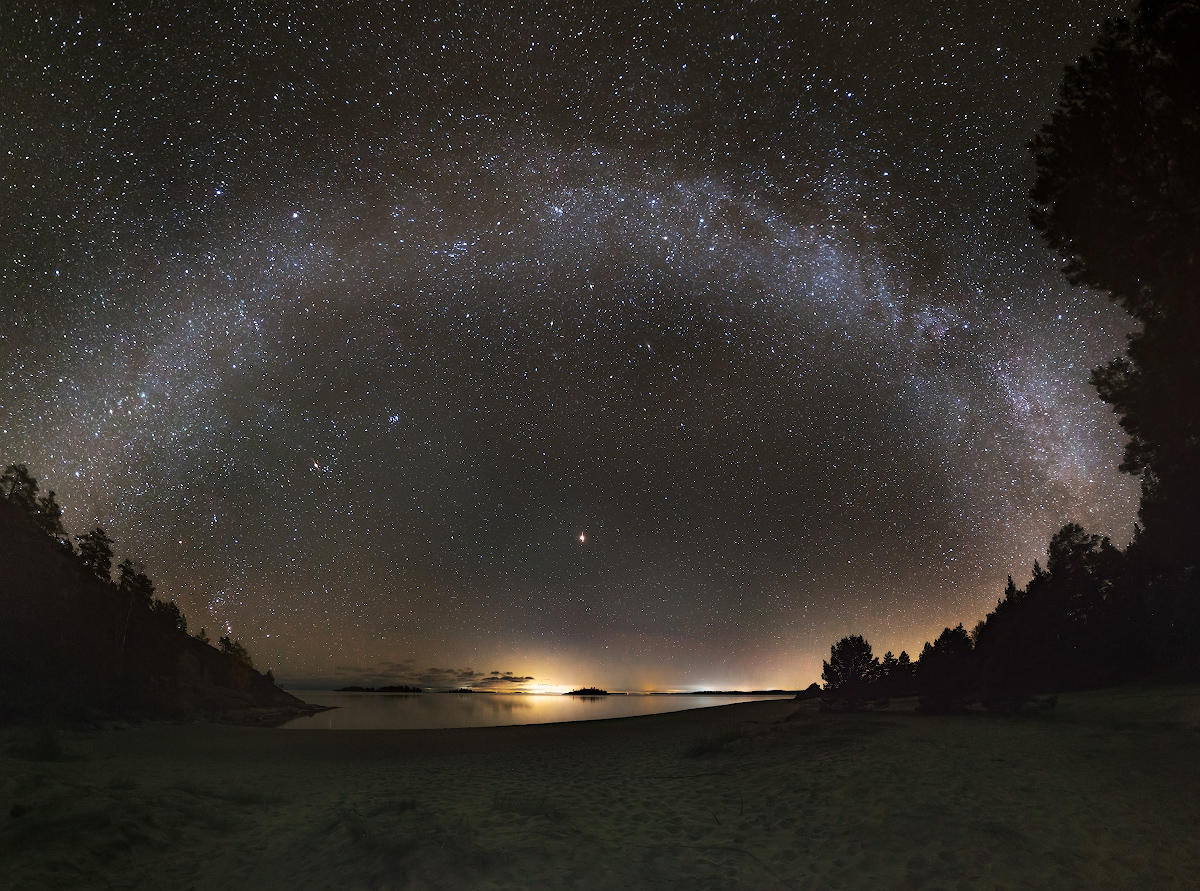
(640, 345)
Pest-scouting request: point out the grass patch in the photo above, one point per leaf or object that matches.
(525, 807)
(37, 744)
(716, 743)
(399, 806)
(422, 849)
(248, 797)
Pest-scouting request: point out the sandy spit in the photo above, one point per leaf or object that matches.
(1100, 793)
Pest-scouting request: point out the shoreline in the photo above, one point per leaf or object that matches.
(293, 689)
(364, 711)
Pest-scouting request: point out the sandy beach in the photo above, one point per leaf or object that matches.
(1099, 793)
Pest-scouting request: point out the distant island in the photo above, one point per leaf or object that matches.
(394, 688)
(591, 691)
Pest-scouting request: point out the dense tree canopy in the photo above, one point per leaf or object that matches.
(1118, 194)
(946, 675)
(1118, 185)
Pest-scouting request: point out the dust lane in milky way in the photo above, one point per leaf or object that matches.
(640, 347)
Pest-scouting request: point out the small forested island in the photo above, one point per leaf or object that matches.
(591, 691)
(80, 646)
(393, 688)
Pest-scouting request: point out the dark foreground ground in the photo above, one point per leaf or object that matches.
(1100, 793)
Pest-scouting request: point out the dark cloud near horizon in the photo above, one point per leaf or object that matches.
(403, 672)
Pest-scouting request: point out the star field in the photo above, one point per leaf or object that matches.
(653, 346)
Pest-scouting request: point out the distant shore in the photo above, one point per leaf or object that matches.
(379, 711)
(586, 691)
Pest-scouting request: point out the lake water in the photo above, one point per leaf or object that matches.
(426, 711)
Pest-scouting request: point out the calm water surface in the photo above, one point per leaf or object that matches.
(424, 711)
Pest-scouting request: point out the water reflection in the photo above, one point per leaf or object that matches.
(409, 711)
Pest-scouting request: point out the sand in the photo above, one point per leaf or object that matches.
(1100, 793)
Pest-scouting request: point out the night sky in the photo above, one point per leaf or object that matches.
(643, 345)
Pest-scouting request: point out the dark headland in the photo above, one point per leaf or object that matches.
(76, 647)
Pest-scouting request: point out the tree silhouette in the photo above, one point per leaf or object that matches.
(1077, 624)
(887, 667)
(49, 516)
(169, 613)
(19, 487)
(1118, 194)
(946, 677)
(95, 552)
(133, 582)
(895, 675)
(851, 671)
(236, 651)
